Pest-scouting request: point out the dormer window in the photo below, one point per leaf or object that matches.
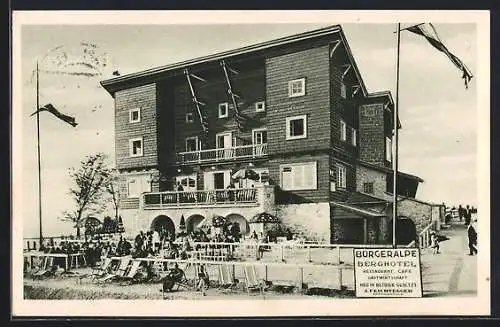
(260, 106)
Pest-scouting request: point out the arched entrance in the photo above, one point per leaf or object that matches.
(234, 217)
(406, 232)
(163, 224)
(192, 222)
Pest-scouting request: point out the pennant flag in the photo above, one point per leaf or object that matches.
(428, 31)
(50, 108)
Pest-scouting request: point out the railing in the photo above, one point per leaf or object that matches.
(208, 197)
(289, 251)
(223, 154)
(424, 237)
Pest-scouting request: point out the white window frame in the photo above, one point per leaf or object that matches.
(354, 136)
(341, 176)
(222, 105)
(191, 120)
(343, 90)
(314, 185)
(131, 115)
(291, 83)
(192, 138)
(260, 106)
(256, 130)
(288, 122)
(131, 147)
(343, 130)
(388, 149)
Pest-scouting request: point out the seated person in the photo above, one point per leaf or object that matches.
(174, 275)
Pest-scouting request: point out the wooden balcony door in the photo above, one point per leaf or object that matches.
(224, 144)
(259, 138)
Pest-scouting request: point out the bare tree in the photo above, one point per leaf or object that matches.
(90, 181)
(113, 191)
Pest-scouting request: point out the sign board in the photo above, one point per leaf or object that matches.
(389, 273)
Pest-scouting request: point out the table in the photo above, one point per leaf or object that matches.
(75, 256)
(38, 254)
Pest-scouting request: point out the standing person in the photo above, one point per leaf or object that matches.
(472, 235)
(434, 243)
(467, 215)
(156, 241)
(460, 212)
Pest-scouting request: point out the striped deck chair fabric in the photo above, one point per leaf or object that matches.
(251, 281)
(100, 271)
(119, 272)
(226, 279)
(45, 267)
(131, 271)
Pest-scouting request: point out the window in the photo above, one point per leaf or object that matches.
(297, 87)
(223, 110)
(341, 176)
(259, 136)
(135, 147)
(343, 90)
(189, 118)
(191, 144)
(343, 130)
(134, 115)
(299, 176)
(260, 106)
(137, 185)
(368, 188)
(296, 127)
(388, 149)
(353, 137)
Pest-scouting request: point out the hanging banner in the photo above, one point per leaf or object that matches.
(389, 273)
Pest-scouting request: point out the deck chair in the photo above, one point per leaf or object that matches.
(226, 280)
(45, 268)
(119, 272)
(101, 270)
(131, 271)
(251, 281)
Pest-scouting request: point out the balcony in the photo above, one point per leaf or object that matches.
(234, 197)
(222, 154)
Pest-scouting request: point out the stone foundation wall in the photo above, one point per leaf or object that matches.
(309, 219)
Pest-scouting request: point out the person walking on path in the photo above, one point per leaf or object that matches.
(434, 243)
(467, 215)
(472, 235)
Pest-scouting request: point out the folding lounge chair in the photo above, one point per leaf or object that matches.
(251, 281)
(226, 280)
(119, 272)
(45, 268)
(131, 271)
(102, 270)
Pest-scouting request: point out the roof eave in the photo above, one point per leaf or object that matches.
(109, 84)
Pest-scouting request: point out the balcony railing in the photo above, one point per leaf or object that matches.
(199, 198)
(222, 154)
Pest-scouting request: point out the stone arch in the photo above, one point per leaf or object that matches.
(193, 221)
(163, 223)
(244, 226)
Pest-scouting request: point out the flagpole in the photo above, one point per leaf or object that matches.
(38, 153)
(395, 148)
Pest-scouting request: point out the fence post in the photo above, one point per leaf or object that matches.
(338, 254)
(282, 254)
(309, 253)
(265, 273)
(233, 272)
(340, 278)
(300, 272)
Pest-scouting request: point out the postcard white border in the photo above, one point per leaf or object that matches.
(479, 305)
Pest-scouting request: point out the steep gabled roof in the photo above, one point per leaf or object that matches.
(387, 170)
(121, 82)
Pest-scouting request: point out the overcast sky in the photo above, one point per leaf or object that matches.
(438, 141)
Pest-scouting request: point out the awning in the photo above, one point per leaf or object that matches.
(358, 210)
